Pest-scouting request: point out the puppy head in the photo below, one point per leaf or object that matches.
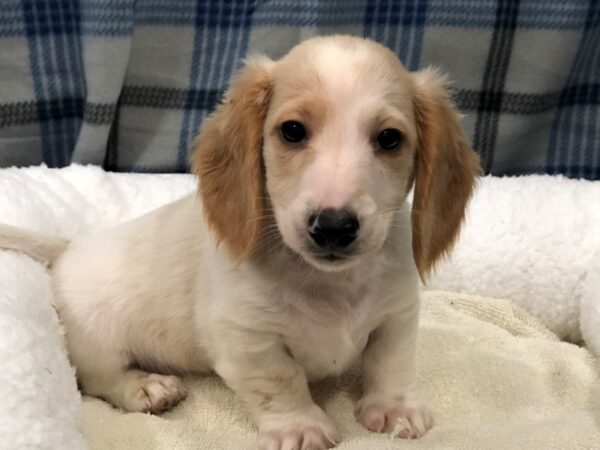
(331, 138)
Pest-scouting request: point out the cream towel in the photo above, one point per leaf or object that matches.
(494, 376)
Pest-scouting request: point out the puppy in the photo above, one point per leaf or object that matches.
(298, 257)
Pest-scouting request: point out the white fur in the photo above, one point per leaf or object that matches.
(345, 171)
(159, 291)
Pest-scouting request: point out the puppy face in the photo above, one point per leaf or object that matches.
(329, 140)
(339, 144)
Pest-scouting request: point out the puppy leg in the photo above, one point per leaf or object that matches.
(275, 388)
(108, 375)
(390, 402)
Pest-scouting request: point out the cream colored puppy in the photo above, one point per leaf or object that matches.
(299, 257)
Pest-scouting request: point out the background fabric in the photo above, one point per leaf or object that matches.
(126, 83)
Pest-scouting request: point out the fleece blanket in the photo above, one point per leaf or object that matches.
(494, 375)
(536, 241)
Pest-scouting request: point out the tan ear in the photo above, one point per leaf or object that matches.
(445, 171)
(228, 160)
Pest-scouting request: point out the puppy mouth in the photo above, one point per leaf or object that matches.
(331, 257)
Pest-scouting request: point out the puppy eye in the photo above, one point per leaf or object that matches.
(292, 131)
(389, 139)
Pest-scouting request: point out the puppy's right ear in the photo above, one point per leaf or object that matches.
(228, 160)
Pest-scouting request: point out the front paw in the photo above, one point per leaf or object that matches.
(403, 415)
(297, 430)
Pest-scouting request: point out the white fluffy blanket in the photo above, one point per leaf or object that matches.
(495, 377)
(536, 241)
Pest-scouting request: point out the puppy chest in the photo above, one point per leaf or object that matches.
(327, 352)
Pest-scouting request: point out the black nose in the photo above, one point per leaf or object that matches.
(333, 228)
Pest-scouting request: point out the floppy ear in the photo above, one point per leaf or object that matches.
(228, 160)
(445, 171)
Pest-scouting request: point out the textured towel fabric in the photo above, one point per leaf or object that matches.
(494, 376)
(127, 83)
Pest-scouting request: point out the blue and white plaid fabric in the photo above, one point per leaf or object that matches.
(127, 83)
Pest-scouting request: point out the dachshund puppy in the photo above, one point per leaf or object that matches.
(298, 257)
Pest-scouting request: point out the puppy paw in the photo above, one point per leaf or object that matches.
(405, 416)
(157, 393)
(310, 430)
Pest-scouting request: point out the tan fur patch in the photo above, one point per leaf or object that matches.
(228, 161)
(445, 171)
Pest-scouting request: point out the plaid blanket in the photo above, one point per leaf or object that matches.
(126, 83)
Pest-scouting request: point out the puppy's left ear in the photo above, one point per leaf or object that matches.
(445, 172)
(228, 160)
